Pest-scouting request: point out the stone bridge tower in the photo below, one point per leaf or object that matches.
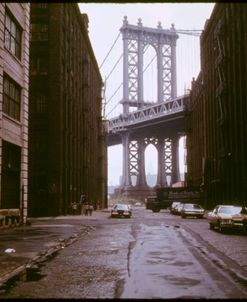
(135, 40)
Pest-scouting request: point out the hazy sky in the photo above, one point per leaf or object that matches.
(105, 20)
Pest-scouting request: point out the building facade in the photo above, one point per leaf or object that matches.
(217, 129)
(67, 149)
(14, 86)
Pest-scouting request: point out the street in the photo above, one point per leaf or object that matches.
(150, 255)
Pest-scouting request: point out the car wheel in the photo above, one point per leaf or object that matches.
(183, 216)
(221, 230)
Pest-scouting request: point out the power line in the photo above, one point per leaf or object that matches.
(110, 50)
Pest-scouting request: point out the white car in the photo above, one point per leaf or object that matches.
(221, 217)
(192, 210)
(173, 207)
(121, 210)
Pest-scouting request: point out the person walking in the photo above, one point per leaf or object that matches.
(90, 208)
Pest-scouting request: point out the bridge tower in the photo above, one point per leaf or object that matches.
(135, 40)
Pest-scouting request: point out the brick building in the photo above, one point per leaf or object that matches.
(217, 129)
(67, 148)
(14, 69)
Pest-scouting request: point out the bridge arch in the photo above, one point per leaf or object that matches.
(151, 166)
(135, 39)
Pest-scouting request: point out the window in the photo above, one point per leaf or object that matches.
(11, 98)
(41, 102)
(41, 146)
(38, 65)
(10, 181)
(12, 36)
(41, 5)
(39, 32)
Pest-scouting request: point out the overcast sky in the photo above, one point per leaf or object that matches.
(105, 20)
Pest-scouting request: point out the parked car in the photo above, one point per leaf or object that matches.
(239, 221)
(192, 210)
(178, 208)
(121, 210)
(173, 206)
(224, 217)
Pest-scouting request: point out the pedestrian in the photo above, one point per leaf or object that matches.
(83, 202)
(74, 207)
(86, 209)
(90, 208)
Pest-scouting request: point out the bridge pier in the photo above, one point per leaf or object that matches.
(134, 164)
(175, 175)
(161, 173)
(141, 177)
(125, 181)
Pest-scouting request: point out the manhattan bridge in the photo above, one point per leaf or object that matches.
(144, 122)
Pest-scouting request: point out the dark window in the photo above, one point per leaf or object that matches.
(11, 98)
(10, 181)
(41, 103)
(39, 65)
(12, 36)
(41, 5)
(39, 32)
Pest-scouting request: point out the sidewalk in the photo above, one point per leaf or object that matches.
(23, 249)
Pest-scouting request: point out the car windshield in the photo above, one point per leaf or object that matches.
(230, 210)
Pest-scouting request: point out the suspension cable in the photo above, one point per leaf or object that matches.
(110, 50)
(111, 98)
(149, 64)
(114, 66)
(122, 82)
(112, 109)
(114, 93)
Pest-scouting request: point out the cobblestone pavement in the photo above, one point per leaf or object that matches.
(23, 247)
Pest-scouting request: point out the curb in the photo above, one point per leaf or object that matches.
(23, 270)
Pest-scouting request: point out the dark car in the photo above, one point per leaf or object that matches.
(192, 210)
(121, 210)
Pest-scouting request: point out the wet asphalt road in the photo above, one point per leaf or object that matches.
(151, 255)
